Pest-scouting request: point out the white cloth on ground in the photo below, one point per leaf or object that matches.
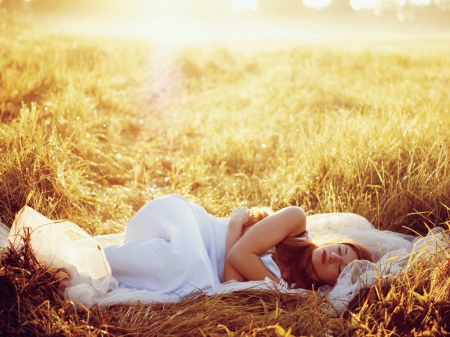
(4, 232)
(328, 226)
(62, 244)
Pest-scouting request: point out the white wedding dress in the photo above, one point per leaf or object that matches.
(173, 248)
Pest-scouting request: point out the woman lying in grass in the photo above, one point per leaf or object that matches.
(172, 246)
(172, 249)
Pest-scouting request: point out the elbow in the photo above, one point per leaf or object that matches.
(298, 214)
(232, 256)
(296, 210)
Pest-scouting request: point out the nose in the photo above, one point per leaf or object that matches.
(336, 258)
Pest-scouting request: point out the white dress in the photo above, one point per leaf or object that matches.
(171, 246)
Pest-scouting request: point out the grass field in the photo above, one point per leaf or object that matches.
(92, 128)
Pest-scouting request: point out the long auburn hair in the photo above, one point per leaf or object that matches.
(296, 257)
(296, 254)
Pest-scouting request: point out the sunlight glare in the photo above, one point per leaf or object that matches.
(316, 4)
(242, 5)
(421, 2)
(358, 5)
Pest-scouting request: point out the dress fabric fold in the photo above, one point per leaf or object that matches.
(171, 246)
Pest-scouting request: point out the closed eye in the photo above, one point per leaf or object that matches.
(346, 251)
(339, 267)
(340, 253)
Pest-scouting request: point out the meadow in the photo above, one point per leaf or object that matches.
(92, 128)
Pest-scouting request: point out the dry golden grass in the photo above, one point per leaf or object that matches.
(92, 128)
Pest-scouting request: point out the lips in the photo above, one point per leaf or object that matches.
(324, 257)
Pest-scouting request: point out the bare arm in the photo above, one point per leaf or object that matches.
(236, 222)
(267, 233)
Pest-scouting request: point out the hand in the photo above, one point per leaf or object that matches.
(239, 216)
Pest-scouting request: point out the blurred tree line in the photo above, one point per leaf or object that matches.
(436, 12)
(54, 5)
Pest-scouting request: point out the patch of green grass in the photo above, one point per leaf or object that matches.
(92, 128)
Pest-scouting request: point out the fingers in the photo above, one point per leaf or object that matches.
(241, 212)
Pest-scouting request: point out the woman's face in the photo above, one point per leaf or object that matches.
(330, 260)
